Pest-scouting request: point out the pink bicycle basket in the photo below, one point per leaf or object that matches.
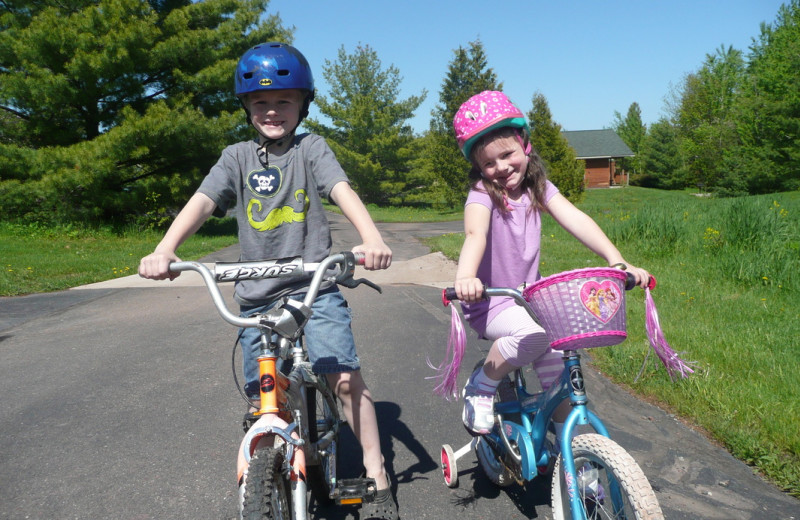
(584, 308)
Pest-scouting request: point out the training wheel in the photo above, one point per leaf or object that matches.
(449, 467)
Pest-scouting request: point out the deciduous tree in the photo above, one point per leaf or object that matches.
(769, 110)
(706, 119)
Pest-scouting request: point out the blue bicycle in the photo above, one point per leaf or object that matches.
(592, 476)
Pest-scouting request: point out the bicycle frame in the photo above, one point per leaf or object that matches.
(273, 426)
(529, 450)
(283, 415)
(536, 411)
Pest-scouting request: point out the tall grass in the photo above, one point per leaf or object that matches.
(728, 296)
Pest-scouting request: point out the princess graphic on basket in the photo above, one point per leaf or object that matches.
(601, 299)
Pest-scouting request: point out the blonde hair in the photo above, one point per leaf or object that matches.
(247, 99)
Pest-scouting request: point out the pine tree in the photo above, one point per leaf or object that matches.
(632, 131)
(563, 168)
(662, 164)
(114, 109)
(370, 134)
(468, 74)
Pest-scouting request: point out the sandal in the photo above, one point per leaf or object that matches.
(381, 508)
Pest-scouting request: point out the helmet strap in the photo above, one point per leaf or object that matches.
(263, 149)
(522, 144)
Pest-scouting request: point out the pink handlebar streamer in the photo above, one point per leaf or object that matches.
(447, 371)
(673, 363)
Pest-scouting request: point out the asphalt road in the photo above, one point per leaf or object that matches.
(118, 402)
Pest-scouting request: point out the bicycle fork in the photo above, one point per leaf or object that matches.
(580, 415)
(271, 428)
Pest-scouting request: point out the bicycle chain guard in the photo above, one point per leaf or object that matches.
(522, 443)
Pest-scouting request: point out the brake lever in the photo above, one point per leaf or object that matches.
(346, 279)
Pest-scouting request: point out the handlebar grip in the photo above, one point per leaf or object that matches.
(178, 267)
(448, 294)
(630, 282)
(360, 258)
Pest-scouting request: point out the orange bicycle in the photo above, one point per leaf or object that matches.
(290, 444)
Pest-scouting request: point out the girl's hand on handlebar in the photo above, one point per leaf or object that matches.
(642, 276)
(469, 290)
(377, 255)
(155, 266)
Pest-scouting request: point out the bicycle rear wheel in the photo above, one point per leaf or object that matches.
(267, 494)
(323, 417)
(492, 466)
(610, 482)
(489, 461)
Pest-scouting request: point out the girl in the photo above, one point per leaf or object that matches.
(501, 248)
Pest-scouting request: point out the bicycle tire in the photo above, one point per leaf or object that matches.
(492, 466)
(323, 415)
(267, 493)
(636, 495)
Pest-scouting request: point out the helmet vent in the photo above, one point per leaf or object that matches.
(283, 72)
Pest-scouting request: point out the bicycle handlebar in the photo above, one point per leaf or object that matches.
(449, 293)
(283, 268)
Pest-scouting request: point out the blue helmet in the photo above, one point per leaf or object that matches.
(273, 66)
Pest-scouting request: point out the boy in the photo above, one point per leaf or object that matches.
(275, 186)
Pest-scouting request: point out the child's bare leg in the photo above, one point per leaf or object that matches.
(359, 409)
(496, 367)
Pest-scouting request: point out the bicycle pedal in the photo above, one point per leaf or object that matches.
(249, 420)
(355, 491)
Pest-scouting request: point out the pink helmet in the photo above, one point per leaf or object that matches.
(481, 113)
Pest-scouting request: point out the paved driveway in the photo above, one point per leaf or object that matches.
(118, 402)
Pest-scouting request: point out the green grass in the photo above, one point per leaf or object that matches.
(727, 297)
(38, 259)
(728, 275)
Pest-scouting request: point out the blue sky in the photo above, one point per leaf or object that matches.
(588, 58)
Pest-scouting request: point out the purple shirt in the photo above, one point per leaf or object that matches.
(512, 253)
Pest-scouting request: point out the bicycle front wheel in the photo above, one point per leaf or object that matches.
(611, 484)
(267, 493)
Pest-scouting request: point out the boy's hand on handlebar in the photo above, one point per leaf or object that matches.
(155, 266)
(377, 255)
(469, 290)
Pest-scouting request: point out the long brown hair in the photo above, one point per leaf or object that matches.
(533, 181)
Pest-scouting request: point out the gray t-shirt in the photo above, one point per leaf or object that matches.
(279, 208)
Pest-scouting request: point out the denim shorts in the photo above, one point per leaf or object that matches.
(328, 338)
